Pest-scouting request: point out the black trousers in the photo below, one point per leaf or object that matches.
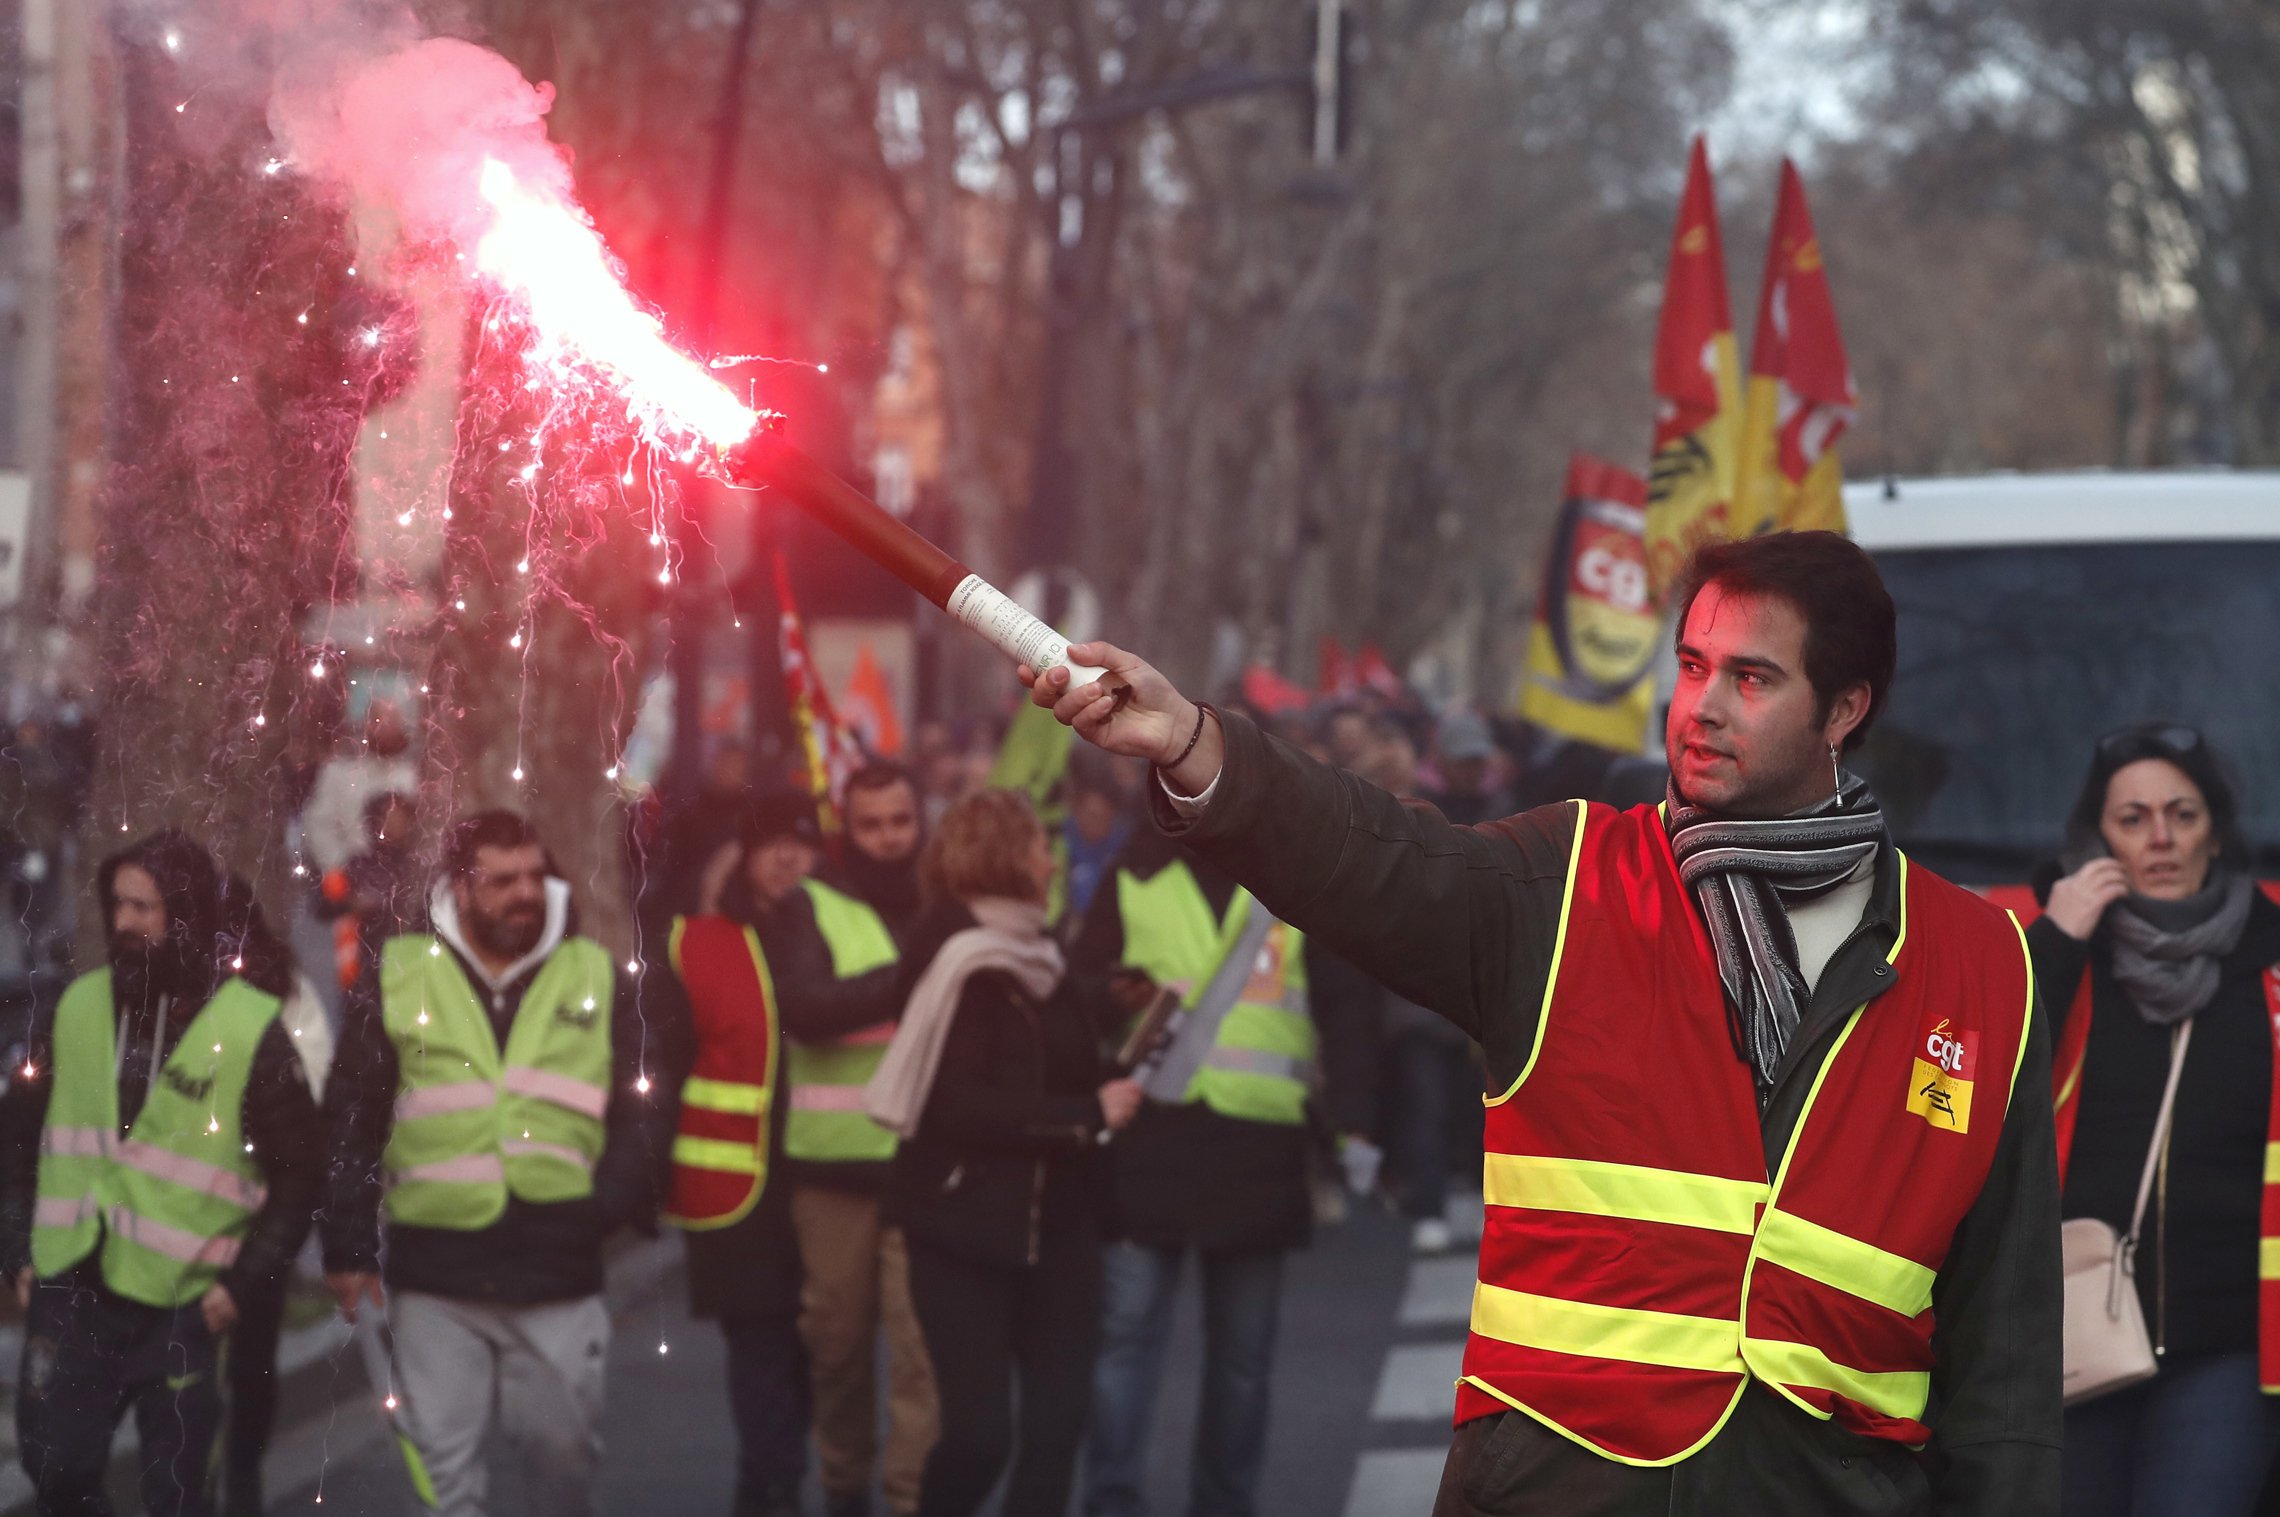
(253, 1394)
(768, 1399)
(999, 1335)
(90, 1357)
(1768, 1458)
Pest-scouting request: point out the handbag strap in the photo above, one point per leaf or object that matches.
(2177, 1041)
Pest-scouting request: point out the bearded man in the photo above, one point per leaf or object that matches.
(490, 1098)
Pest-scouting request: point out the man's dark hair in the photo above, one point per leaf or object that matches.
(487, 829)
(880, 774)
(1849, 638)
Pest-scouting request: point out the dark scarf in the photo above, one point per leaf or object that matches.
(2167, 953)
(1742, 874)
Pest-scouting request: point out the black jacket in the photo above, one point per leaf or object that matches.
(535, 1252)
(1463, 922)
(2197, 1259)
(1005, 1149)
(818, 1007)
(279, 1118)
(1257, 1197)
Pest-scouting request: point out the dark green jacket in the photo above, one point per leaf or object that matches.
(1461, 920)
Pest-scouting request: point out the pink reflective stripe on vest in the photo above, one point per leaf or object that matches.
(465, 1169)
(64, 1211)
(76, 1142)
(436, 1100)
(173, 1242)
(827, 1098)
(560, 1089)
(192, 1174)
(532, 1148)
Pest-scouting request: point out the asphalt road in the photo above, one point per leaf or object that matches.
(1369, 1347)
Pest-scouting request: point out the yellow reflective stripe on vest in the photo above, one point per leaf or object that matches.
(716, 1153)
(1630, 1191)
(1711, 1344)
(2268, 1258)
(65, 1211)
(1895, 1393)
(2272, 1163)
(76, 1142)
(193, 1174)
(1846, 1264)
(174, 1242)
(464, 1169)
(581, 1096)
(1257, 1061)
(728, 1097)
(419, 1101)
(532, 1148)
(831, 1098)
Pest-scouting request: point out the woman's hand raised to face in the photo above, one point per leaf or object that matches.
(2078, 901)
(1131, 710)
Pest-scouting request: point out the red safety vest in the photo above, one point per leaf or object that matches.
(1639, 1266)
(2066, 1093)
(720, 1150)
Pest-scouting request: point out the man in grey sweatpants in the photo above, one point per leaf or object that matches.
(490, 1087)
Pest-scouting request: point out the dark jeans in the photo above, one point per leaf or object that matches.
(252, 1373)
(768, 1399)
(2195, 1439)
(90, 1357)
(1242, 1293)
(1432, 1074)
(1002, 1336)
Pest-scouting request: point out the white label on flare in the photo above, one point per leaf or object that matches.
(989, 611)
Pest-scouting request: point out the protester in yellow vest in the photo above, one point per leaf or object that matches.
(743, 1262)
(1214, 1166)
(834, 952)
(1771, 1186)
(162, 1165)
(491, 1096)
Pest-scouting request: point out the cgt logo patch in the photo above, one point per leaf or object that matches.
(1939, 1079)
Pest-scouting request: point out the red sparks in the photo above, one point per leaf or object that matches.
(541, 251)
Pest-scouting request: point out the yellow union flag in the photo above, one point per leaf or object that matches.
(1801, 395)
(1697, 389)
(1594, 632)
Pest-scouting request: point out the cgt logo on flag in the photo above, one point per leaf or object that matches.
(1939, 1079)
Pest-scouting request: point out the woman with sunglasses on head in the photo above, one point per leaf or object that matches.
(2157, 942)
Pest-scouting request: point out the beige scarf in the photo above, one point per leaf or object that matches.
(1009, 937)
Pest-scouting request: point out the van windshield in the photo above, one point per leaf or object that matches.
(2015, 661)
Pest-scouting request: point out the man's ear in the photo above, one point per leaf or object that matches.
(1846, 713)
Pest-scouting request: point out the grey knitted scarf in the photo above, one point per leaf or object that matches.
(2166, 953)
(1741, 874)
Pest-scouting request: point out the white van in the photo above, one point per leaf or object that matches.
(2039, 612)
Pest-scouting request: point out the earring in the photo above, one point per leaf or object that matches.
(1836, 775)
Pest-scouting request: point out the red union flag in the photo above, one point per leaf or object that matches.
(1697, 388)
(1801, 395)
(832, 754)
(1596, 621)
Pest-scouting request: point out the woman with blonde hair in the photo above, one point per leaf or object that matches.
(996, 1085)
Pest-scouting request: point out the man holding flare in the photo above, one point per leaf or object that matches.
(1750, 1246)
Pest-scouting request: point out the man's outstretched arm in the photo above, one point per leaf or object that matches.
(1458, 919)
